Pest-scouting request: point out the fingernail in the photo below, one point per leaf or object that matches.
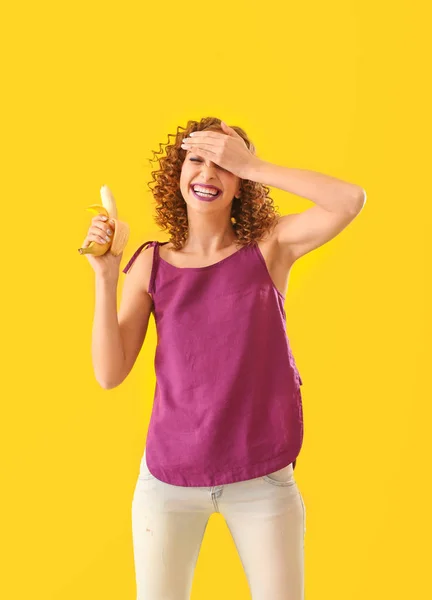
(104, 218)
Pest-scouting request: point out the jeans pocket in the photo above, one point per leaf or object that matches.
(281, 477)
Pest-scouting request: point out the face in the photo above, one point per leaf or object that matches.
(195, 170)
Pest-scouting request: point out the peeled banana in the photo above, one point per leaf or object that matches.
(121, 230)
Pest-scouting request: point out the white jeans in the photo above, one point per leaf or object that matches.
(265, 515)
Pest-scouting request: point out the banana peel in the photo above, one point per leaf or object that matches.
(121, 230)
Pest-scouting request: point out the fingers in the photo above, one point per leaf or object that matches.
(99, 220)
(105, 226)
(100, 231)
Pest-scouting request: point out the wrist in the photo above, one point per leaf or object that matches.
(253, 170)
(104, 280)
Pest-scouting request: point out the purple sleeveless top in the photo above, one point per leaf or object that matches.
(227, 404)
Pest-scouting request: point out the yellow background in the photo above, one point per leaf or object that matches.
(88, 91)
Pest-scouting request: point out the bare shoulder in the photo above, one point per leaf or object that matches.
(168, 253)
(139, 273)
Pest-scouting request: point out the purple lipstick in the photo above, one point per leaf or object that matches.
(208, 198)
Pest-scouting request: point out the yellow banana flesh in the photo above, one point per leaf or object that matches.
(121, 230)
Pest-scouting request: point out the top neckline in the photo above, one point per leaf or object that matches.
(219, 262)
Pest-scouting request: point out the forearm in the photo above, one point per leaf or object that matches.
(107, 347)
(327, 191)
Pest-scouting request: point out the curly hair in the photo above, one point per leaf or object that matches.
(252, 215)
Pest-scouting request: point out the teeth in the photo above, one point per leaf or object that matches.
(205, 194)
(204, 191)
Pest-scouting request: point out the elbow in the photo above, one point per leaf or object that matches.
(112, 379)
(360, 200)
(108, 385)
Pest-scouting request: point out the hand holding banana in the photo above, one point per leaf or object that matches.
(98, 241)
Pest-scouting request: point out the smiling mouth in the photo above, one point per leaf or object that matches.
(206, 197)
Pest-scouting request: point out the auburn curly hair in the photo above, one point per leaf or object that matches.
(252, 215)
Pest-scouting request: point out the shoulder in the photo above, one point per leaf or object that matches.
(141, 268)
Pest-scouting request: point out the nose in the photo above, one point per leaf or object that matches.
(207, 169)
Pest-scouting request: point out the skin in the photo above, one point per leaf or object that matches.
(210, 227)
(212, 237)
(211, 234)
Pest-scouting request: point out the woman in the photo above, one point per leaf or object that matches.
(227, 421)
